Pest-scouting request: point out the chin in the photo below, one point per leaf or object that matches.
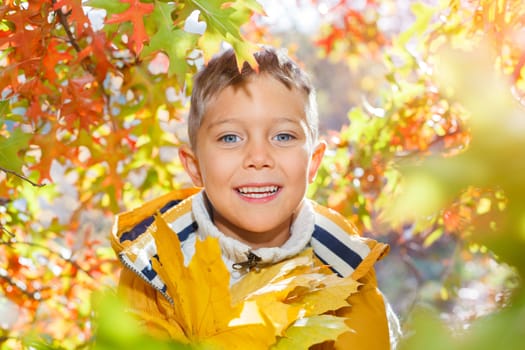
(259, 227)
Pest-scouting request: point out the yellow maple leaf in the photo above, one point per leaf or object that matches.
(331, 293)
(276, 306)
(201, 300)
(255, 281)
(311, 330)
(294, 289)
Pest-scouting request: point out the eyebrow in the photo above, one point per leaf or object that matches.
(220, 122)
(238, 120)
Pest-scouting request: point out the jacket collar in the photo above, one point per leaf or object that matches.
(335, 240)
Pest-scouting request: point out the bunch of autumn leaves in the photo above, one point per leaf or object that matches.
(283, 306)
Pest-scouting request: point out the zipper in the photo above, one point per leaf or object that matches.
(252, 263)
(137, 272)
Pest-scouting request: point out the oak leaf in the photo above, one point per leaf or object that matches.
(223, 22)
(11, 149)
(135, 14)
(174, 42)
(75, 13)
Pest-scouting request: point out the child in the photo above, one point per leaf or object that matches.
(253, 150)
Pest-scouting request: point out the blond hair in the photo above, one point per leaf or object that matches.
(222, 71)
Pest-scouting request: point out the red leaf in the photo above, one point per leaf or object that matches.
(53, 57)
(75, 13)
(99, 46)
(134, 14)
(27, 30)
(328, 42)
(52, 149)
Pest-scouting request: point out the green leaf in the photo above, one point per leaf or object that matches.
(11, 147)
(129, 335)
(424, 14)
(174, 42)
(223, 23)
(4, 107)
(312, 330)
(111, 7)
(247, 7)
(359, 125)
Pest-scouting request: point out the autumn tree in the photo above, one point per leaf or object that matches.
(100, 109)
(93, 99)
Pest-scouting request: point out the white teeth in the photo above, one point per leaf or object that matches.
(258, 192)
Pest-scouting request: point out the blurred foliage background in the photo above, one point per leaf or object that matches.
(422, 104)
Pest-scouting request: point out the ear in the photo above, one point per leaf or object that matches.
(315, 161)
(191, 165)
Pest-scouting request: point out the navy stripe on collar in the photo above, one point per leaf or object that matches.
(187, 231)
(141, 227)
(324, 262)
(337, 247)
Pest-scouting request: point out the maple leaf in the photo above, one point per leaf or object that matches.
(310, 331)
(293, 289)
(254, 282)
(135, 14)
(330, 293)
(202, 307)
(281, 302)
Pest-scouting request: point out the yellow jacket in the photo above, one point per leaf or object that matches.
(335, 242)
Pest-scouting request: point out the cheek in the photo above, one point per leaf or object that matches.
(215, 168)
(298, 165)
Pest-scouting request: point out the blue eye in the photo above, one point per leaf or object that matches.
(284, 137)
(230, 138)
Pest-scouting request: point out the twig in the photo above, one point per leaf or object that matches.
(86, 62)
(63, 20)
(30, 294)
(52, 252)
(4, 229)
(7, 171)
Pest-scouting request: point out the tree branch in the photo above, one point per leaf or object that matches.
(62, 18)
(30, 294)
(52, 252)
(7, 171)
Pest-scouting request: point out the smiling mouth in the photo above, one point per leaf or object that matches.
(257, 192)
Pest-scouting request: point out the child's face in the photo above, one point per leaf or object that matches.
(255, 158)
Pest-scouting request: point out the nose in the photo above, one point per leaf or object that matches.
(258, 155)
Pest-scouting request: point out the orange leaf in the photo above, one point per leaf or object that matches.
(135, 14)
